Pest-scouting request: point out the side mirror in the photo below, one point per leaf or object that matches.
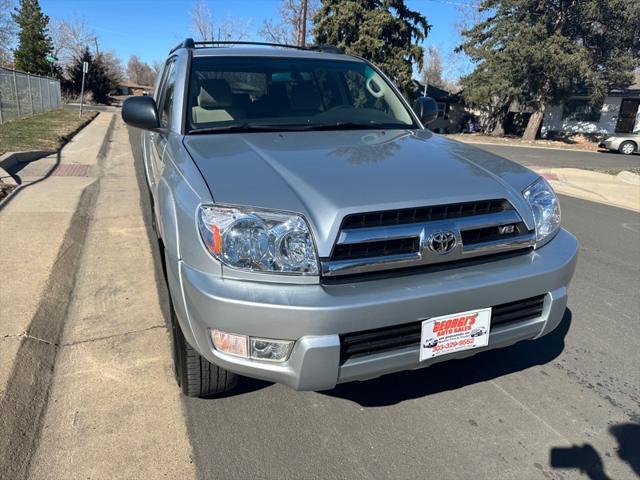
(141, 112)
(426, 109)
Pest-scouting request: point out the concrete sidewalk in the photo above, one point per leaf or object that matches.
(114, 409)
(41, 235)
(622, 190)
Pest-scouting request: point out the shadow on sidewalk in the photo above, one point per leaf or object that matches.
(14, 168)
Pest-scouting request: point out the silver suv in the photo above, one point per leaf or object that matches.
(314, 232)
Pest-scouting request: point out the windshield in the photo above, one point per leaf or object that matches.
(234, 94)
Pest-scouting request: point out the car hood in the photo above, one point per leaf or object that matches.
(327, 175)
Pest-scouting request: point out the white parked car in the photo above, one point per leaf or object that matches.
(625, 143)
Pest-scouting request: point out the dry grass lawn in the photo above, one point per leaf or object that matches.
(44, 131)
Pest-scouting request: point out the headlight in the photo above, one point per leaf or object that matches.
(258, 240)
(546, 209)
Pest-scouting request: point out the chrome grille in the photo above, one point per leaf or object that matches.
(394, 239)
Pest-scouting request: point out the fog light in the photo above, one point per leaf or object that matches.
(273, 350)
(230, 343)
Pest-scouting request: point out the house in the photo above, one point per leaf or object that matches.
(618, 113)
(451, 111)
(130, 88)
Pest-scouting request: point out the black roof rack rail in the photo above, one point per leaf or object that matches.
(190, 43)
(187, 43)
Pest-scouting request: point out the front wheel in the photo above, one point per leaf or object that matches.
(197, 376)
(627, 148)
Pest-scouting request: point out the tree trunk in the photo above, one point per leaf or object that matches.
(303, 35)
(498, 130)
(533, 125)
(500, 117)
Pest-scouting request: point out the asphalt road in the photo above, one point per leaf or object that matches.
(553, 158)
(565, 406)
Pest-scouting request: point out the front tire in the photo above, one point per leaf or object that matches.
(627, 148)
(196, 376)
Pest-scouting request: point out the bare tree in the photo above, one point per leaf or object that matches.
(293, 25)
(468, 15)
(157, 65)
(7, 31)
(206, 27)
(202, 20)
(434, 73)
(112, 66)
(139, 72)
(432, 70)
(70, 37)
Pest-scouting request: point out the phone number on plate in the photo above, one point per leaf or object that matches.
(448, 345)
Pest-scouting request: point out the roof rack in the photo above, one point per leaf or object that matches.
(190, 43)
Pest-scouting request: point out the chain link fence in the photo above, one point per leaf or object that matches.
(22, 94)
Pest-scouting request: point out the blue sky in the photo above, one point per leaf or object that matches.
(150, 28)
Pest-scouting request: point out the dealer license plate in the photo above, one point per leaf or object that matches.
(455, 333)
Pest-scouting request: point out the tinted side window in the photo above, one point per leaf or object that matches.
(167, 94)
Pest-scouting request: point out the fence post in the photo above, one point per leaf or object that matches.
(1, 120)
(48, 91)
(51, 95)
(41, 99)
(15, 90)
(30, 93)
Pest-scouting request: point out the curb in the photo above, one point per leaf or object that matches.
(24, 401)
(6, 178)
(496, 144)
(629, 177)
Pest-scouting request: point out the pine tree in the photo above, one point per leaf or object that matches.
(539, 52)
(72, 83)
(34, 42)
(98, 81)
(101, 83)
(385, 32)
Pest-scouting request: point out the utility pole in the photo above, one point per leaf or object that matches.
(303, 36)
(95, 39)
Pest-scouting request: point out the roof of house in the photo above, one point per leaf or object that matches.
(632, 90)
(436, 93)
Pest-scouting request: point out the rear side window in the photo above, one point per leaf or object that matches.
(168, 90)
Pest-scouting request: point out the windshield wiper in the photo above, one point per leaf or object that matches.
(296, 127)
(243, 127)
(352, 126)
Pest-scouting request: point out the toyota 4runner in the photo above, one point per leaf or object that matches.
(315, 232)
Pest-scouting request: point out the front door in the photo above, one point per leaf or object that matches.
(627, 116)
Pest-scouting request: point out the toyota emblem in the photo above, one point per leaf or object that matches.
(442, 242)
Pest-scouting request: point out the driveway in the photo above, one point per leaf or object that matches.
(552, 408)
(554, 158)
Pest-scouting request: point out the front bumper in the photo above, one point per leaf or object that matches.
(607, 144)
(315, 315)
